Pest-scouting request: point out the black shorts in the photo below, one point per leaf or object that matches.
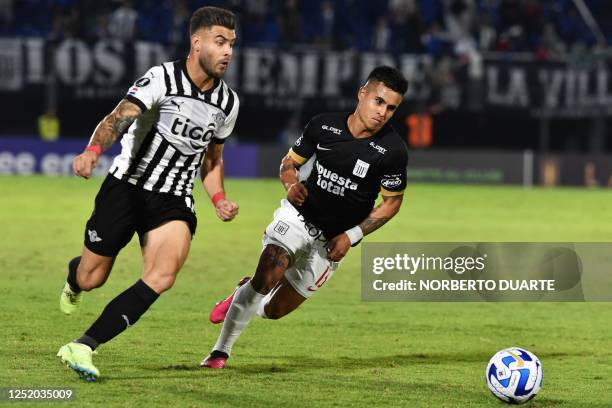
(122, 209)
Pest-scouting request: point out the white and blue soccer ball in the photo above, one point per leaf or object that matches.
(514, 375)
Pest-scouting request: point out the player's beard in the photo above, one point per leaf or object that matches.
(208, 68)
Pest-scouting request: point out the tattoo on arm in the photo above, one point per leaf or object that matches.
(114, 124)
(371, 224)
(121, 124)
(381, 214)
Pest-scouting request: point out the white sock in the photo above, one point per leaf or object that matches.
(261, 311)
(240, 313)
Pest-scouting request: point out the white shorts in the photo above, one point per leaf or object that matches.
(306, 246)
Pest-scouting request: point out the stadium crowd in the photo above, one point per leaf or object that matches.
(437, 27)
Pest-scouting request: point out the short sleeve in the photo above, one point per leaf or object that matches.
(393, 174)
(228, 124)
(148, 90)
(305, 146)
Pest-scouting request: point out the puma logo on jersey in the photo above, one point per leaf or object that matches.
(177, 104)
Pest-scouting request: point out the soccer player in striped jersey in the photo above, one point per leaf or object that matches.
(358, 156)
(173, 121)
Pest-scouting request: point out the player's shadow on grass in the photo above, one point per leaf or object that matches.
(179, 367)
(291, 363)
(301, 362)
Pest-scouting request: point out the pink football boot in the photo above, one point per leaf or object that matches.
(216, 359)
(217, 314)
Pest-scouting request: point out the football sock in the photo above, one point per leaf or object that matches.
(121, 313)
(217, 354)
(240, 313)
(88, 341)
(261, 312)
(72, 271)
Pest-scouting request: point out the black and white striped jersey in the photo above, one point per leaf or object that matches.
(163, 149)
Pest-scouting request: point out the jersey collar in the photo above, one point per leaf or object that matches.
(375, 136)
(194, 86)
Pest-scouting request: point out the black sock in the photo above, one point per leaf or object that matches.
(121, 313)
(217, 354)
(85, 339)
(72, 270)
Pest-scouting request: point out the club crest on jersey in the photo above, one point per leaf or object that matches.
(218, 118)
(361, 168)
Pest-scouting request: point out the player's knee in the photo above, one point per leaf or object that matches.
(264, 283)
(159, 282)
(272, 265)
(162, 284)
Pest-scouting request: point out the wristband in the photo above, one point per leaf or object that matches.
(355, 234)
(217, 197)
(94, 148)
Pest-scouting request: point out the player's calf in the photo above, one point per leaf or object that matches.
(92, 270)
(280, 302)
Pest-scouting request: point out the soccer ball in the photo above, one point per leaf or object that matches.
(514, 375)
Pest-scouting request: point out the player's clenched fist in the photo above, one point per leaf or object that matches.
(337, 247)
(297, 193)
(226, 210)
(84, 163)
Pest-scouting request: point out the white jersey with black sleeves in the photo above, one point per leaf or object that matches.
(163, 149)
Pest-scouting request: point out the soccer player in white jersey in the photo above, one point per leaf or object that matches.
(358, 156)
(173, 121)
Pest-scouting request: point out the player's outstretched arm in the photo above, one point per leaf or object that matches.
(108, 130)
(212, 179)
(296, 191)
(382, 213)
(339, 245)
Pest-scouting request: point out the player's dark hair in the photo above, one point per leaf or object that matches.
(390, 77)
(206, 17)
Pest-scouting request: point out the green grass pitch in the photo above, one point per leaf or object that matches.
(333, 351)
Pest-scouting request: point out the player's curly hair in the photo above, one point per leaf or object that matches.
(391, 77)
(205, 17)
